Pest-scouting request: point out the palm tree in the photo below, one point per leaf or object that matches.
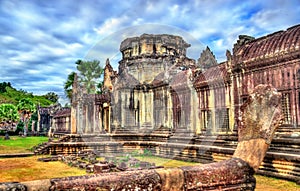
(90, 71)
(26, 108)
(68, 86)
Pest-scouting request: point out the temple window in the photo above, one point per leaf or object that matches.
(154, 48)
(286, 108)
(282, 78)
(136, 49)
(222, 120)
(288, 79)
(158, 107)
(206, 115)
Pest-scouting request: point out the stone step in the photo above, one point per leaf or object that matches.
(13, 155)
(284, 150)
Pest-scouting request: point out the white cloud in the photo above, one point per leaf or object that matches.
(111, 25)
(41, 40)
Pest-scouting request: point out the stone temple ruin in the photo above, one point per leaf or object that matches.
(235, 173)
(181, 108)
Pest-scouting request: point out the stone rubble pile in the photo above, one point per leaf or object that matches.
(89, 162)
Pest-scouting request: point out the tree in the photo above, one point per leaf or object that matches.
(89, 71)
(52, 97)
(26, 108)
(68, 86)
(9, 117)
(100, 88)
(3, 86)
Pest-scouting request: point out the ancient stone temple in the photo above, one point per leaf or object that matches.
(178, 107)
(144, 91)
(158, 86)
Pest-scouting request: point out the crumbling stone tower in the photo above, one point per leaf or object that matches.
(142, 96)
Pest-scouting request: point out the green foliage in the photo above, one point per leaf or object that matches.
(41, 101)
(26, 105)
(20, 127)
(3, 86)
(100, 87)
(141, 153)
(147, 152)
(8, 112)
(67, 105)
(33, 119)
(26, 108)
(68, 86)
(52, 97)
(89, 71)
(9, 116)
(23, 106)
(11, 95)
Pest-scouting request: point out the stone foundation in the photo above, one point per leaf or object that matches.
(201, 148)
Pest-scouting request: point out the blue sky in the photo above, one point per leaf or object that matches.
(41, 40)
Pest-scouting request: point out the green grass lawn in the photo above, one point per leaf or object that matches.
(264, 183)
(18, 144)
(29, 168)
(167, 163)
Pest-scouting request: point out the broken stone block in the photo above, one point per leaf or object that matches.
(90, 168)
(82, 165)
(122, 165)
(100, 168)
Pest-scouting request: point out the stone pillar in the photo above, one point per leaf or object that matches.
(67, 124)
(194, 112)
(39, 120)
(211, 106)
(96, 128)
(74, 106)
(74, 119)
(170, 110)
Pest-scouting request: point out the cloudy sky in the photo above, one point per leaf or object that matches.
(41, 40)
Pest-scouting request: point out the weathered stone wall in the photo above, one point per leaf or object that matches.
(273, 59)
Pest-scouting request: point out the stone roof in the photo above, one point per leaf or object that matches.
(181, 80)
(160, 79)
(126, 80)
(272, 46)
(50, 110)
(63, 112)
(211, 76)
(102, 98)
